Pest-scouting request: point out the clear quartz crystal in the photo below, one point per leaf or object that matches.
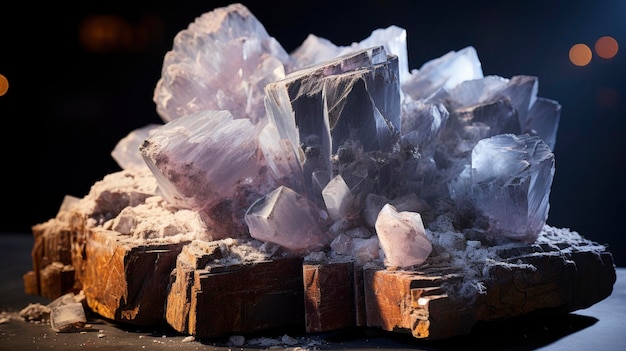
(337, 197)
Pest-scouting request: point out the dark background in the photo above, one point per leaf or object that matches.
(70, 100)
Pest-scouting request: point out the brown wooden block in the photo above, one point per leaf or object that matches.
(199, 292)
(56, 279)
(329, 296)
(52, 244)
(428, 303)
(413, 302)
(125, 281)
(31, 286)
(247, 298)
(194, 256)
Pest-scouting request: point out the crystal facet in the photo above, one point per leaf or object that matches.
(509, 184)
(286, 218)
(206, 162)
(402, 237)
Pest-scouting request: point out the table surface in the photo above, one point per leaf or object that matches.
(599, 327)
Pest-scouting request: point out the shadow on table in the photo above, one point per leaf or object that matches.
(526, 332)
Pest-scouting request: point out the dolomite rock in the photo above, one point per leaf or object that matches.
(56, 256)
(58, 253)
(333, 296)
(553, 275)
(125, 280)
(214, 292)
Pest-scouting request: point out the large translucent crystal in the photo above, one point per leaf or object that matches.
(509, 184)
(354, 98)
(444, 72)
(288, 219)
(208, 162)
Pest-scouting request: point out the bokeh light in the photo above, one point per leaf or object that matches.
(606, 47)
(580, 54)
(4, 85)
(104, 33)
(113, 33)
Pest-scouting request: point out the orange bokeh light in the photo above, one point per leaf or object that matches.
(105, 33)
(4, 85)
(580, 54)
(606, 47)
(113, 33)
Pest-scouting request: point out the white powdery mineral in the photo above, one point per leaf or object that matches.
(342, 149)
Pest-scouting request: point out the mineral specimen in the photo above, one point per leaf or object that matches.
(255, 137)
(330, 187)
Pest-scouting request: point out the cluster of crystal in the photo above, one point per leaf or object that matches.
(344, 146)
(221, 61)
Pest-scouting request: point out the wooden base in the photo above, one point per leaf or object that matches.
(189, 286)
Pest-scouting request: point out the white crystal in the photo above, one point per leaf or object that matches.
(402, 237)
(126, 152)
(337, 197)
(67, 313)
(208, 162)
(444, 72)
(68, 317)
(222, 61)
(511, 177)
(288, 219)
